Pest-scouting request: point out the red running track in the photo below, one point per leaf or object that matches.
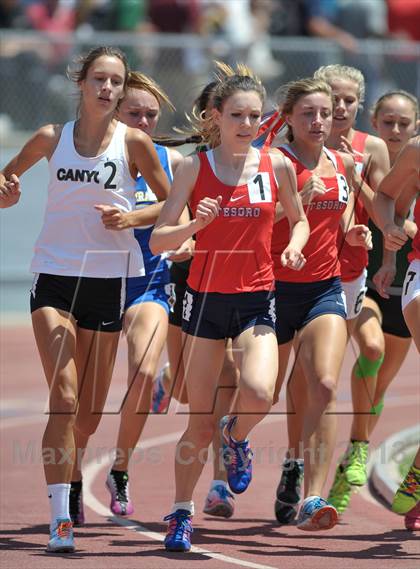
(368, 536)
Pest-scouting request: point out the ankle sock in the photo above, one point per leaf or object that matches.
(183, 506)
(59, 501)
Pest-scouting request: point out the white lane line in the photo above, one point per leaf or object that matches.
(134, 526)
(90, 472)
(15, 422)
(92, 468)
(385, 472)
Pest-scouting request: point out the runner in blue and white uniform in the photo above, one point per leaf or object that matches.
(147, 299)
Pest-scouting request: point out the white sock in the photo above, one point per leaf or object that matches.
(218, 483)
(184, 506)
(59, 501)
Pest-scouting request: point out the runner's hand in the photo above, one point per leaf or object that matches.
(10, 192)
(359, 236)
(207, 210)
(313, 187)
(394, 237)
(184, 252)
(293, 259)
(383, 279)
(112, 217)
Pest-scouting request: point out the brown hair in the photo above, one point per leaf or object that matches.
(397, 93)
(228, 82)
(295, 90)
(84, 62)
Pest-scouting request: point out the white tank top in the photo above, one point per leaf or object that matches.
(73, 240)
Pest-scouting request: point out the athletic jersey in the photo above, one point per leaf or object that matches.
(324, 214)
(156, 268)
(73, 240)
(415, 253)
(232, 254)
(353, 259)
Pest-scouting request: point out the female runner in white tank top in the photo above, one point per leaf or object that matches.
(80, 267)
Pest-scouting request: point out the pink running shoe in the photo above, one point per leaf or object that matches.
(412, 518)
(117, 484)
(219, 502)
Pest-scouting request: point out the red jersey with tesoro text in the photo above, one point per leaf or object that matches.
(324, 214)
(232, 254)
(354, 260)
(415, 253)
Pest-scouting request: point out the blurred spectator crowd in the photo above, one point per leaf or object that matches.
(243, 21)
(236, 29)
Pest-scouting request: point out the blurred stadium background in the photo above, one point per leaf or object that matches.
(175, 42)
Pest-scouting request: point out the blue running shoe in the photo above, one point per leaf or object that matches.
(61, 537)
(179, 531)
(160, 399)
(219, 502)
(316, 514)
(237, 458)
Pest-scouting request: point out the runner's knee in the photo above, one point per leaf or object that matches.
(366, 367)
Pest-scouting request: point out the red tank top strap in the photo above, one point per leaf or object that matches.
(359, 141)
(265, 161)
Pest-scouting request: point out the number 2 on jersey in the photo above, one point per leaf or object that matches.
(108, 184)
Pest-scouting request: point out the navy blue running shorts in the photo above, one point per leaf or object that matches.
(299, 303)
(219, 316)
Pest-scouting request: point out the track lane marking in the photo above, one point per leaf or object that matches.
(92, 469)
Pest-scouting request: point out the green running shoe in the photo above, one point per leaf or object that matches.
(340, 491)
(355, 463)
(408, 494)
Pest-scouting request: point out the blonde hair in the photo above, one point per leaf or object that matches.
(328, 73)
(137, 80)
(295, 90)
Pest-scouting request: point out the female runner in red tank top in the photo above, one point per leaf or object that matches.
(232, 191)
(400, 188)
(371, 159)
(311, 304)
(372, 163)
(381, 321)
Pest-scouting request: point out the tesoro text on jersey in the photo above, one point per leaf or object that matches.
(240, 212)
